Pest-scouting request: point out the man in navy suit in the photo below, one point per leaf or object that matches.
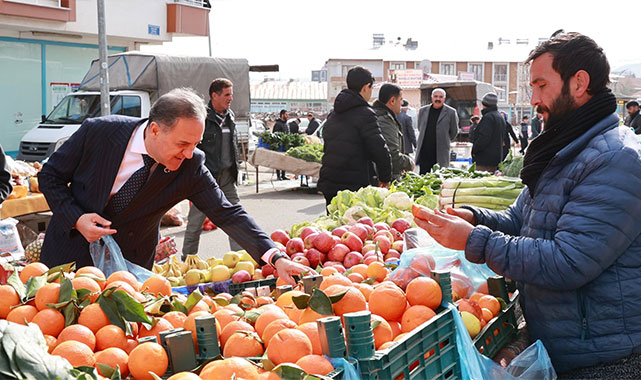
(119, 175)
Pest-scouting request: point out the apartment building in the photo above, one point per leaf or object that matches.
(46, 47)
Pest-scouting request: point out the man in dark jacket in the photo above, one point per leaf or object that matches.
(487, 150)
(537, 126)
(524, 132)
(293, 126)
(474, 120)
(409, 135)
(281, 126)
(387, 106)
(352, 138)
(572, 239)
(509, 133)
(633, 120)
(313, 124)
(5, 177)
(219, 144)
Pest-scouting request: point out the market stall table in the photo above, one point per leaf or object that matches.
(30, 204)
(280, 161)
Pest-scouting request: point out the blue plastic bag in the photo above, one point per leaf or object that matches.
(350, 372)
(532, 364)
(107, 257)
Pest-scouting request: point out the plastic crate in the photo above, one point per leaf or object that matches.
(428, 352)
(501, 329)
(218, 287)
(238, 288)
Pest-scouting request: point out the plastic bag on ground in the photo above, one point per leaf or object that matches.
(107, 257)
(10, 238)
(350, 372)
(532, 364)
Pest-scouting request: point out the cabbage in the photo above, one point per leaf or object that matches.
(399, 200)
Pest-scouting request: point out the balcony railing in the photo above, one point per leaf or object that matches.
(195, 3)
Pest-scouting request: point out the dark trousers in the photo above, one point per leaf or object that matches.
(524, 144)
(425, 167)
(280, 174)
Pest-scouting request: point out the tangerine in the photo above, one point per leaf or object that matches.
(382, 332)
(275, 327)
(225, 316)
(32, 270)
(184, 376)
(87, 283)
(147, 357)
(315, 365)
(424, 291)
(353, 300)
(288, 346)
(243, 344)
(309, 315)
(51, 342)
(124, 276)
(78, 333)
(48, 293)
(328, 271)
(334, 279)
(93, 317)
(8, 298)
(22, 314)
(416, 316)
(157, 285)
(95, 272)
(387, 301)
(76, 353)
(50, 321)
(266, 318)
(231, 328)
(111, 336)
(176, 318)
(491, 303)
(311, 330)
(160, 326)
(377, 270)
(228, 369)
(113, 357)
(360, 269)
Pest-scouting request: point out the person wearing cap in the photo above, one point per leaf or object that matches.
(313, 124)
(387, 106)
(633, 120)
(474, 120)
(409, 136)
(438, 127)
(487, 149)
(353, 140)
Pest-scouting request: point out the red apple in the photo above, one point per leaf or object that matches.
(368, 247)
(370, 259)
(267, 270)
(401, 225)
(340, 268)
(309, 240)
(359, 230)
(241, 276)
(314, 257)
(280, 236)
(353, 242)
(366, 220)
(352, 259)
(381, 226)
(324, 242)
(392, 253)
(388, 234)
(339, 231)
(370, 253)
(301, 260)
(337, 239)
(331, 264)
(297, 254)
(370, 231)
(308, 231)
(398, 245)
(384, 244)
(295, 245)
(338, 252)
(391, 260)
(397, 235)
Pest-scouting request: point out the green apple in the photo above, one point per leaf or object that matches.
(220, 273)
(193, 277)
(245, 265)
(231, 258)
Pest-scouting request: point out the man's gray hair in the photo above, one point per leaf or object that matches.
(439, 90)
(179, 103)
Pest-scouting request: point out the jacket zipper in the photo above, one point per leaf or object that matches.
(585, 333)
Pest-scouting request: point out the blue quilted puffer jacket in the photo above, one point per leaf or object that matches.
(575, 248)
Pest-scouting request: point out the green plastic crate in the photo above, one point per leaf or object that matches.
(502, 328)
(427, 353)
(238, 288)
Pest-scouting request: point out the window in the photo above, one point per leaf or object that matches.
(447, 69)
(46, 3)
(345, 69)
(397, 66)
(500, 72)
(501, 93)
(477, 69)
(127, 106)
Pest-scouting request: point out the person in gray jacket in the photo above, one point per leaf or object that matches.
(387, 106)
(438, 127)
(409, 136)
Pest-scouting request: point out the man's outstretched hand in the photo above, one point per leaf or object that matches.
(93, 226)
(450, 229)
(287, 268)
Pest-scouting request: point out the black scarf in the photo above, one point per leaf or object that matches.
(561, 132)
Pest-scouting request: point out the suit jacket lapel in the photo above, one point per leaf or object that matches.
(441, 115)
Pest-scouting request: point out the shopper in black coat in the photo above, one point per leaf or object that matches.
(352, 138)
(509, 132)
(487, 150)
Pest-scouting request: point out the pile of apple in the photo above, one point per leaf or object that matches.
(345, 246)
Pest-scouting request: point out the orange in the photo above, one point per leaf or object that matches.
(131, 344)
(124, 277)
(311, 330)
(93, 317)
(87, 283)
(396, 328)
(275, 327)
(262, 300)
(487, 314)
(111, 336)
(227, 369)
(360, 269)
(124, 286)
(157, 285)
(328, 271)
(293, 312)
(21, 314)
(476, 297)
(160, 326)
(185, 376)
(95, 272)
(335, 279)
(399, 337)
(32, 270)
(190, 325)
(266, 318)
(176, 318)
(200, 306)
(385, 346)
(377, 270)
(78, 333)
(424, 291)
(113, 356)
(233, 307)
(280, 281)
(76, 353)
(269, 376)
(243, 345)
(48, 293)
(147, 357)
(388, 301)
(352, 301)
(8, 298)
(383, 332)
(491, 303)
(52, 342)
(50, 321)
(225, 316)
(309, 315)
(315, 365)
(213, 306)
(366, 289)
(231, 328)
(288, 346)
(285, 299)
(225, 296)
(416, 316)
(355, 278)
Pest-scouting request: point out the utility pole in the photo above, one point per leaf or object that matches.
(105, 107)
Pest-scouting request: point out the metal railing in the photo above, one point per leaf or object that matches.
(195, 3)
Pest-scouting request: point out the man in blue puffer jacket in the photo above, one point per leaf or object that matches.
(572, 239)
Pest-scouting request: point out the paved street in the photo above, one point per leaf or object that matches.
(279, 204)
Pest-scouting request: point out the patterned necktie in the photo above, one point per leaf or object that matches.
(121, 199)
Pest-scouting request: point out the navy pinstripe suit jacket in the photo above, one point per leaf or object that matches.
(79, 176)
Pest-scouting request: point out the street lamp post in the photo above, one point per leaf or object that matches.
(105, 108)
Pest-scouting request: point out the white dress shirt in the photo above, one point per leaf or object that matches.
(132, 159)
